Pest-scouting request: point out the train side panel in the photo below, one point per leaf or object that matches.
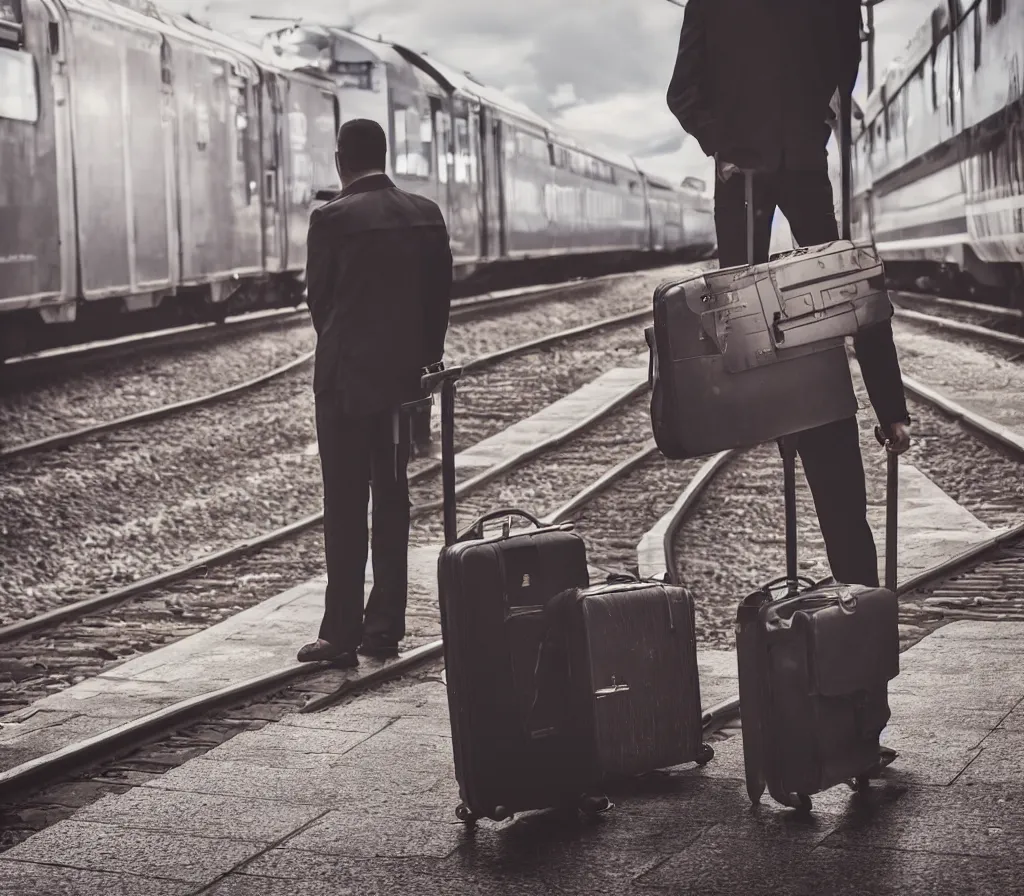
(219, 212)
(31, 268)
(535, 205)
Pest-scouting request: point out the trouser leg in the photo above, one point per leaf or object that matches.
(805, 198)
(345, 464)
(385, 610)
(832, 462)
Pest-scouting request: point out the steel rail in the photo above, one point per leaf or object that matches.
(459, 312)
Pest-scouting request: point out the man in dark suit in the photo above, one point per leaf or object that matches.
(379, 276)
(753, 83)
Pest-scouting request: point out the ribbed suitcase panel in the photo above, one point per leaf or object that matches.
(643, 680)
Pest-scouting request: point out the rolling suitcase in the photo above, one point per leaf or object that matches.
(492, 594)
(622, 659)
(732, 351)
(814, 668)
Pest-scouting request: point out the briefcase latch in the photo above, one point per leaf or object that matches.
(616, 688)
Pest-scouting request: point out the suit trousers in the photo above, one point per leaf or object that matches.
(830, 454)
(357, 452)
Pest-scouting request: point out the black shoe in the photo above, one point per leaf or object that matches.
(319, 651)
(379, 648)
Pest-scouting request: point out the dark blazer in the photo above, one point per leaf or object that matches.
(379, 277)
(753, 78)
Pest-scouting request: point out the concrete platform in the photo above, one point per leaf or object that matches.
(263, 638)
(933, 527)
(360, 798)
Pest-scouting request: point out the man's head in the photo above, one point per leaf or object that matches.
(362, 150)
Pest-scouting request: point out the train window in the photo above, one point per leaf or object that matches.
(240, 97)
(12, 24)
(442, 131)
(935, 82)
(410, 155)
(19, 100)
(996, 8)
(462, 150)
(977, 37)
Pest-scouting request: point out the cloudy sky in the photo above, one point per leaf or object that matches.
(599, 68)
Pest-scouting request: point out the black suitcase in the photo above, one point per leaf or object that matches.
(492, 594)
(621, 659)
(814, 668)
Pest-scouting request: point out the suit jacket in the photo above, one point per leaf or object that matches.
(378, 277)
(753, 78)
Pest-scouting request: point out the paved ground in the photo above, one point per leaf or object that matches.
(359, 799)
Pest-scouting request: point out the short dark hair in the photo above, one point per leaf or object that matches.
(362, 146)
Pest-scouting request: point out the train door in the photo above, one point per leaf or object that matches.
(273, 219)
(476, 180)
(35, 239)
(464, 221)
(169, 120)
(442, 155)
(492, 212)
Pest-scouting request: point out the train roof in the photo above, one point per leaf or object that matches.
(456, 81)
(187, 28)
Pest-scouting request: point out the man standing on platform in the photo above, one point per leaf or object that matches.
(379, 276)
(753, 83)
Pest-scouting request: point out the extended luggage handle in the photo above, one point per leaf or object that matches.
(433, 376)
(476, 528)
(892, 495)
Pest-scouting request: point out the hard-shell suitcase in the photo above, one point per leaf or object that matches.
(623, 658)
(492, 593)
(733, 351)
(814, 668)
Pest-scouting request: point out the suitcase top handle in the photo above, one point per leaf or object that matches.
(476, 528)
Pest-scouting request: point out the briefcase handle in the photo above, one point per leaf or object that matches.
(476, 528)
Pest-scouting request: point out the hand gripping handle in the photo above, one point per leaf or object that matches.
(892, 495)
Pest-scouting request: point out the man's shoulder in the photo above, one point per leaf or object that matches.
(430, 210)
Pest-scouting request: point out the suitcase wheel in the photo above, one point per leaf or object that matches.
(859, 784)
(463, 814)
(594, 805)
(800, 801)
(705, 754)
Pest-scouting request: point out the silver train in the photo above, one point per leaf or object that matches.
(151, 165)
(939, 163)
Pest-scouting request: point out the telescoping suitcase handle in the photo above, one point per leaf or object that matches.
(434, 376)
(892, 495)
(476, 528)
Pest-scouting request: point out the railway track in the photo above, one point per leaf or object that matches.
(250, 545)
(465, 309)
(991, 323)
(72, 358)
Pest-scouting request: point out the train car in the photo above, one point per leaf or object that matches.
(939, 172)
(512, 186)
(146, 167)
